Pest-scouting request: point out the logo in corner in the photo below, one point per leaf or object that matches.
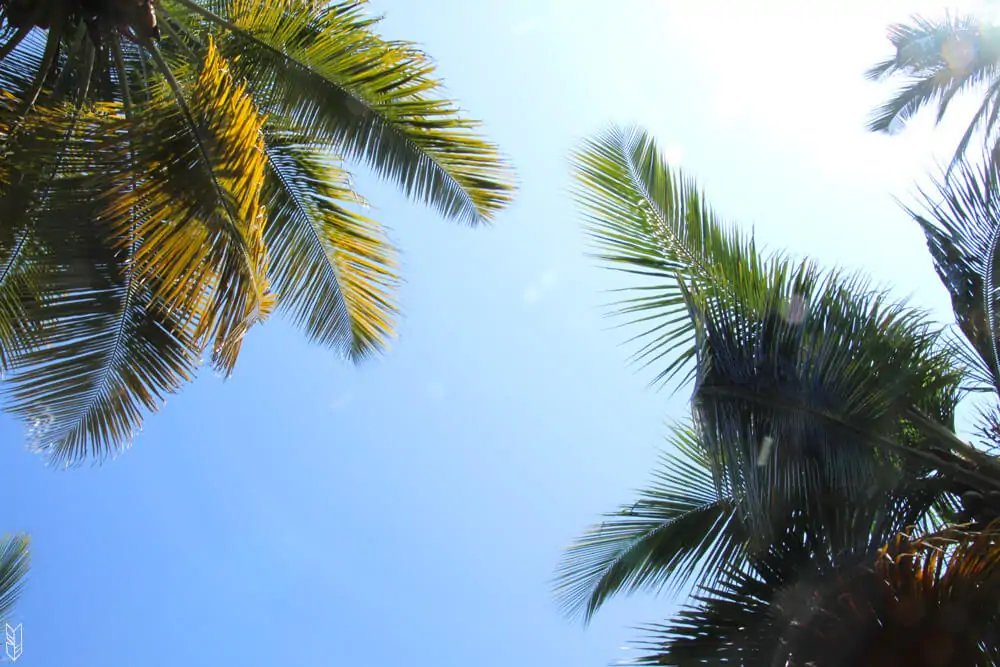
(15, 641)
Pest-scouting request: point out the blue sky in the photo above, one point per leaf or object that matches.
(307, 512)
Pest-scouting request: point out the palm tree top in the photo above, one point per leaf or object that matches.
(196, 152)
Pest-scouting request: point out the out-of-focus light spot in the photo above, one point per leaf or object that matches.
(673, 155)
(958, 53)
(795, 310)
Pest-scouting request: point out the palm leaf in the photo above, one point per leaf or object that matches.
(824, 366)
(14, 562)
(680, 530)
(651, 221)
(193, 171)
(322, 66)
(961, 221)
(333, 267)
(185, 263)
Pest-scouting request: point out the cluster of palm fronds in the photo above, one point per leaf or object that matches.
(172, 171)
(819, 505)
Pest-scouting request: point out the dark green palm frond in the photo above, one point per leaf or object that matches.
(804, 391)
(680, 530)
(14, 562)
(323, 67)
(333, 267)
(652, 221)
(109, 346)
(962, 223)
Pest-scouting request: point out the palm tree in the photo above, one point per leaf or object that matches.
(822, 410)
(937, 60)
(174, 170)
(14, 561)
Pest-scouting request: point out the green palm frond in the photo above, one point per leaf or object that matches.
(961, 221)
(125, 322)
(680, 530)
(376, 100)
(333, 267)
(652, 221)
(14, 562)
(805, 392)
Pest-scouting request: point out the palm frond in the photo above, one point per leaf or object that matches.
(830, 388)
(961, 221)
(174, 259)
(109, 346)
(651, 221)
(204, 149)
(680, 530)
(14, 562)
(333, 267)
(823, 366)
(377, 100)
(939, 58)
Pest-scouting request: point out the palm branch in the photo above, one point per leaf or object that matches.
(14, 561)
(175, 170)
(681, 529)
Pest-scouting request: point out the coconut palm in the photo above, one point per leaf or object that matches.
(14, 560)
(175, 170)
(937, 60)
(822, 409)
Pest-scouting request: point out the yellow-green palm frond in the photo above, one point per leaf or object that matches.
(322, 66)
(108, 345)
(173, 258)
(169, 163)
(198, 202)
(333, 267)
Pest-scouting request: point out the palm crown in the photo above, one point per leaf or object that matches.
(822, 426)
(937, 60)
(174, 170)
